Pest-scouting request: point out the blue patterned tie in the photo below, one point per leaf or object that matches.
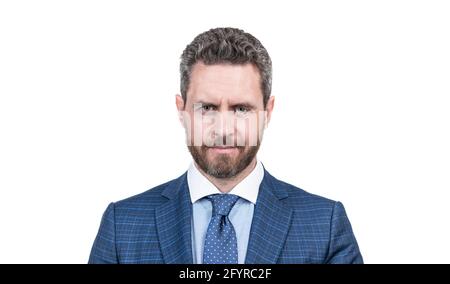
(220, 242)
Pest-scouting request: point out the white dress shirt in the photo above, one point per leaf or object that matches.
(241, 214)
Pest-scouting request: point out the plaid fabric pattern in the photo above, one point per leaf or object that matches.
(289, 226)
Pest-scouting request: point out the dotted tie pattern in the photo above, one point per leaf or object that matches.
(220, 242)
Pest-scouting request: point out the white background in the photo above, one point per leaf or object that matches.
(87, 114)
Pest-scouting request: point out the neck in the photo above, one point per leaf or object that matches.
(225, 185)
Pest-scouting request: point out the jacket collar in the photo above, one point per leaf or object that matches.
(270, 225)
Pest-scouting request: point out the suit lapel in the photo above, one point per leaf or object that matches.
(173, 222)
(270, 225)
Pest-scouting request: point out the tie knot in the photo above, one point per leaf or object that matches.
(222, 203)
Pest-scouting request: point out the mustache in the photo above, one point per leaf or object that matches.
(222, 142)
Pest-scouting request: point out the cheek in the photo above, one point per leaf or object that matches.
(246, 131)
(202, 130)
(206, 128)
(193, 127)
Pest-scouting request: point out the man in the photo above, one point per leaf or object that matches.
(226, 208)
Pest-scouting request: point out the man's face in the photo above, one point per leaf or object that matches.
(224, 117)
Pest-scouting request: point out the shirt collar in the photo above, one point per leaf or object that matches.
(248, 188)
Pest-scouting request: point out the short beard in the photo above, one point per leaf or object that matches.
(224, 166)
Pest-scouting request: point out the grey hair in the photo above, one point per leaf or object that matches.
(226, 45)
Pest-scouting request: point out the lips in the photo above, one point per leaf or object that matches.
(222, 149)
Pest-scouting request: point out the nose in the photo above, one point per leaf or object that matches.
(224, 128)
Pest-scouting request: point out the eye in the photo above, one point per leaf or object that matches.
(242, 109)
(208, 108)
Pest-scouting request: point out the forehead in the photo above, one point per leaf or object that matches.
(225, 82)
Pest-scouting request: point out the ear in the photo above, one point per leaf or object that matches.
(179, 102)
(269, 109)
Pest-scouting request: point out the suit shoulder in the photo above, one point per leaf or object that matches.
(299, 198)
(147, 200)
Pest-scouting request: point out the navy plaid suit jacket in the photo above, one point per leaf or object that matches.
(289, 226)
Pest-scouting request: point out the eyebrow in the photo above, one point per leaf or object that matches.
(244, 104)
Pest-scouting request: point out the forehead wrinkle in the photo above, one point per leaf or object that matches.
(225, 83)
